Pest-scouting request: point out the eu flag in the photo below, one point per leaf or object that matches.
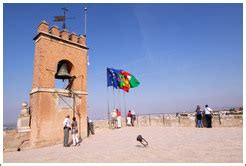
(113, 77)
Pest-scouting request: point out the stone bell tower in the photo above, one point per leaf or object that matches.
(58, 55)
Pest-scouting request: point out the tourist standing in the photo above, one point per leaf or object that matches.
(129, 117)
(133, 118)
(66, 128)
(90, 127)
(75, 132)
(114, 118)
(208, 115)
(118, 118)
(199, 116)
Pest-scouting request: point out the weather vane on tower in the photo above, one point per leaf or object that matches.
(63, 18)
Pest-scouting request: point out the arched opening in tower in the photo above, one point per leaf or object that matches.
(63, 74)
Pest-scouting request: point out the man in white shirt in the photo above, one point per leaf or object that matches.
(114, 118)
(66, 128)
(208, 115)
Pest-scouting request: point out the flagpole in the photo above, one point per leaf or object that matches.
(119, 99)
(113, 97)
(85, 11)
(125, 105)
(109, 124)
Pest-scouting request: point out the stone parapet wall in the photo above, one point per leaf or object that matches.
(188, 121)
(173, 120)
(13, 140)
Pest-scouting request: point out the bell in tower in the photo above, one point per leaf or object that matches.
(63, 71)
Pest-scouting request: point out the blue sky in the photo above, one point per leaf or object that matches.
(182, 54)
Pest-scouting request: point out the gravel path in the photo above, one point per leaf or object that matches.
(166, 144)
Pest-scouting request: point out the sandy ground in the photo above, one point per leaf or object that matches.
(174, 144)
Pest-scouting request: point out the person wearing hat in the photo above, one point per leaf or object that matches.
(66, 128)
(208, 115)
(199, 116)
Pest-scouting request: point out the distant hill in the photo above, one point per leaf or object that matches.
(8, 126)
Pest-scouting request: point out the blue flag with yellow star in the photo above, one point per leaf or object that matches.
(113, 77)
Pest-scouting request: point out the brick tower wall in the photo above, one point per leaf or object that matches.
(52, 46)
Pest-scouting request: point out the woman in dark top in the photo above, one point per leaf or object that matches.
(199, 116)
